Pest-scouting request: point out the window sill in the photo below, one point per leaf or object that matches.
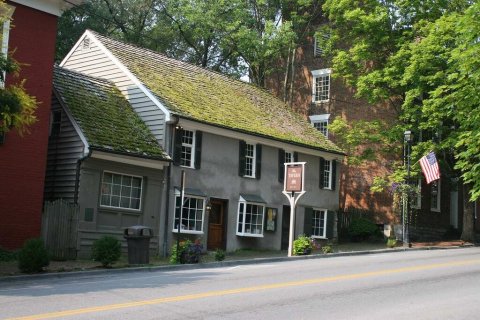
(321, 101)
(319, 237)
(252, 235)
(435, 210)
(123, 210)
(185, 231)
(248, 177)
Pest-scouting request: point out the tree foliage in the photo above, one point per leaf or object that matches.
(235, 37)
(421, 57)
(17, 107)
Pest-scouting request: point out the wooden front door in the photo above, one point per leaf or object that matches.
(216, 225)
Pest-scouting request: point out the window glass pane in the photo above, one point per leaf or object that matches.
(107, 177)
(117, 179)
(125, 202)
(105, 200)
(135, 203)
(115, 201)
(127, 181)
(136, 192)
(126, 191)
(116, 189)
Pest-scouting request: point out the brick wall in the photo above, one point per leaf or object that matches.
(23, 159)
(355, 181)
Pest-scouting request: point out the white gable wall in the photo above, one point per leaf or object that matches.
(89, 58)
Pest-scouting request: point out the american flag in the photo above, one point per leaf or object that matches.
(430, 167)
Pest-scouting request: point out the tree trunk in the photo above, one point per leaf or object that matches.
(292, 82)
(468, 231)
(285, 81)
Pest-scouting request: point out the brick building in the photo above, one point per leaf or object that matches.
(30, 35)
(321, 97)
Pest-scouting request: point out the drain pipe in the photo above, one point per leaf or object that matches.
(77, 175)
(170, 138)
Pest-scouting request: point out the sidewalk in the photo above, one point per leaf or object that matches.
(9, 270)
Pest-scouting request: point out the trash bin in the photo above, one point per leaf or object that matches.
(138, 243)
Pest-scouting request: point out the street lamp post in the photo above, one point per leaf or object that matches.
(408, 136)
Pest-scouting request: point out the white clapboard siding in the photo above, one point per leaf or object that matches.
(63, 154)
(91, 60)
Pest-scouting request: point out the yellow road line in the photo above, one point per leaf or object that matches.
(243, 290)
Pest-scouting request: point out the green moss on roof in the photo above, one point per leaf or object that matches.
(106, 119)
(203, 95)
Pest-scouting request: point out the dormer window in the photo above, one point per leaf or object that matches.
(320, 122)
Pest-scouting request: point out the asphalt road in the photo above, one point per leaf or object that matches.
(436, 284)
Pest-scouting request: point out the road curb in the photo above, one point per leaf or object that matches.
(217, 264)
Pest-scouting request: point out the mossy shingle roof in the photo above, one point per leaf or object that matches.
(106, 119)
(206, 96)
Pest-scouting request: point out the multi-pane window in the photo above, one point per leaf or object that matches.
(249, 160)
(121, 191)
(435, 196)
(320, 122)
(319, 223)
(250, 219)
(192, 214)
(321, 126)
(188, 143)
(327, 174)
(321, 85)
(289, 157)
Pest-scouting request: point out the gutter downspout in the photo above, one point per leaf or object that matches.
(170, 137)
(77, 174)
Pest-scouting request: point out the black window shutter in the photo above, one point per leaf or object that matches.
(295, 157)
(258, 161)
(241, 158)
(177, 147)
(321, 172)
(308, 222)
(330, 224)
(198, 149)
(334, 173)
(281, 166)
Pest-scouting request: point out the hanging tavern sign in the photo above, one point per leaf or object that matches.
(294, 177)
(293, 189)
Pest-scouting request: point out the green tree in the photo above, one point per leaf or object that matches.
(235, 37)
(422, 58)
(17, 108)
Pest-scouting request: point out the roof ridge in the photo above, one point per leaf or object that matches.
(185, 63)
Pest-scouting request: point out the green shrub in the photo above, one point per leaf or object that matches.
(327, 249)
(189, 252)
(391, 242)
(302, 246)
(362, 229)
(33, 256)
(106, 250)
(6, 255)
(219, 255)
